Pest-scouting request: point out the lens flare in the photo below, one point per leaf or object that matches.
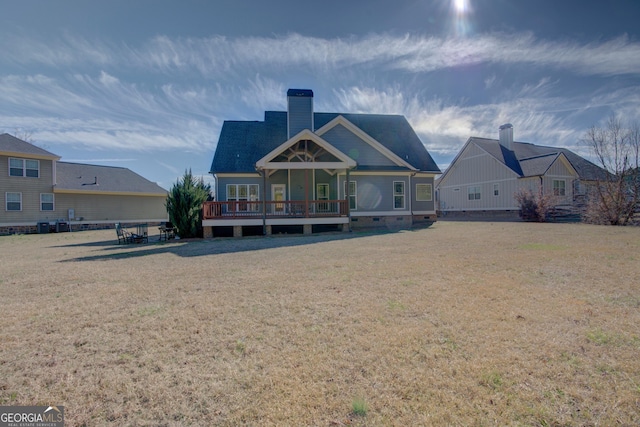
(460, 6)
(461, 11)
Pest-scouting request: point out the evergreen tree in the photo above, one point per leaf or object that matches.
(184, 204)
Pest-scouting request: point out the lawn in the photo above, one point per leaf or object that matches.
(462, 323)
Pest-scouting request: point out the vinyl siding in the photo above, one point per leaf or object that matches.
(350, 144)
(477, 168)
(422, 206)
(30, 189)
(560, 171)
(476, 165)
(98, 207)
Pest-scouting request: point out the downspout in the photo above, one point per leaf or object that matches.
(306, 193)
(541, 186)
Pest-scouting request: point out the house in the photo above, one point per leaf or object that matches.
(289, 173)
(37, 188)
(486, 173)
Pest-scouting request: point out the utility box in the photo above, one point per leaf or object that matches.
(62, 226)
(43, 227)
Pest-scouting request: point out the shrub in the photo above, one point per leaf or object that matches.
(184, 204)
(534, 207)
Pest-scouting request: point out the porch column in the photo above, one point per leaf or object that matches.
(264, 202)
(346, 196)
(306, 193)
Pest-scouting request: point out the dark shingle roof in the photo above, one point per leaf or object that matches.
(108, 179)
(532, 160)
(242, 143)
(11, 144)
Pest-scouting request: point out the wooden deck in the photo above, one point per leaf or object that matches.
(269, 209)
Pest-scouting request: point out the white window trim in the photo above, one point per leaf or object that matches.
(24, 167)
(564, 187)
(247, 198)
(403, 195)
(53, 202)
(6, 201)
(353, 195)
(430, 198)
(476, 190)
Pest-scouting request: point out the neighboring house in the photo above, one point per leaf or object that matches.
(288, 173)
(486, 174)
(37, 188)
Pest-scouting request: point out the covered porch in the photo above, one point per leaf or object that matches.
(296, 185)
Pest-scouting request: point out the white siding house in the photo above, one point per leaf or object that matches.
(486, 174)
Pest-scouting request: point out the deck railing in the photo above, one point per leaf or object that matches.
(280, 209)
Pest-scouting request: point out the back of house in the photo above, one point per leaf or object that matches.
(303, 171)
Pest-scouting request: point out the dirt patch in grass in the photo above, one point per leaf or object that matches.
(457, 324)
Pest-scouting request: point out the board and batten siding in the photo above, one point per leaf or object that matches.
(477, 168)
(353, 146)
(30, 187)
(559, 170)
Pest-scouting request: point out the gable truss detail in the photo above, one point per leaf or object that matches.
(306, 150)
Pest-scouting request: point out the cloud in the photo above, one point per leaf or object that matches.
(174, 93)
(444, 127)
(218, 56)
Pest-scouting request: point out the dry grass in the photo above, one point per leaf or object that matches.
(459, 324)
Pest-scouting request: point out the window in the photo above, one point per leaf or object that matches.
(243, 193)
(398, 194)
(24, 167)
(13, 201)
(559, 187)
(353, 194)
(46, 202)
(496, 189)
(424, 192)
(474, 193)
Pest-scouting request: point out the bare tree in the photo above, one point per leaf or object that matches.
(25, 135)
(616, 195)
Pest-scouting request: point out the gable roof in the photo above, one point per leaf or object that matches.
(343, 161)
(79, 177)
(12, 146)
(243, 143)
(528, 159)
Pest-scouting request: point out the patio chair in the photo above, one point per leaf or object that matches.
(167, 231)
(124, 236)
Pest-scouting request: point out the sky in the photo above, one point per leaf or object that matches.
(147, 84)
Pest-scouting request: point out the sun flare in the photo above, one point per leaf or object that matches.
(460, 5)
